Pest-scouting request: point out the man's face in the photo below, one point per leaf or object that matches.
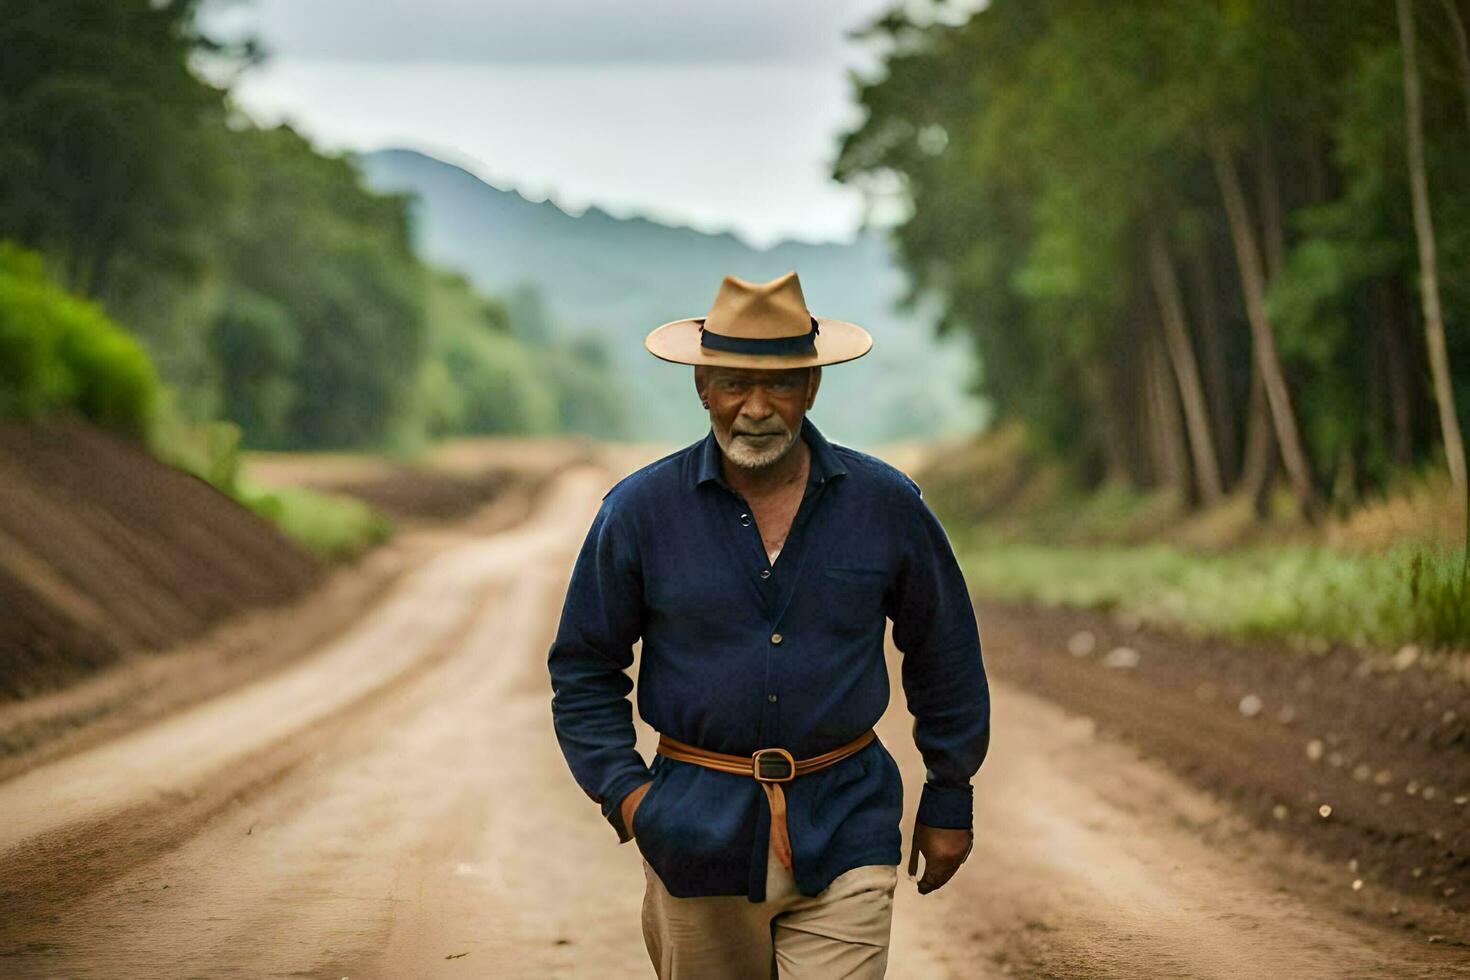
(756, 414)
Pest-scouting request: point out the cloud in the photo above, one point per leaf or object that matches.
(551, 31)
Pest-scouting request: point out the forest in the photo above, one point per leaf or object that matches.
(167, 261)
(1200, 245)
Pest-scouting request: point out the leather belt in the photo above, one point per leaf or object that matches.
(769, 767)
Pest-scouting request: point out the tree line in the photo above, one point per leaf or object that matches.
(1196, 244)
(266, 283)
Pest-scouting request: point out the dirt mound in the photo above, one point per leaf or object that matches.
(105, 551)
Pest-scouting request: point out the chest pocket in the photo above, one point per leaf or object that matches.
(854, 595)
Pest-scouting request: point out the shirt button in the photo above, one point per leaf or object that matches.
(771, 698)
(745, 520)
(776, 638)
(765, 573)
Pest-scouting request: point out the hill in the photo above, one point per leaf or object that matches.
(618, 278)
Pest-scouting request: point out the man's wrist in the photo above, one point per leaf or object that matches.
(612, 807)
(947, 807)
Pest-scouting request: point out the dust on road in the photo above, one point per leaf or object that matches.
(395, 806)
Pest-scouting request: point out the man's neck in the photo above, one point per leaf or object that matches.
(789, 469)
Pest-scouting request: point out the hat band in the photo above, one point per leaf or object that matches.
(800, 344)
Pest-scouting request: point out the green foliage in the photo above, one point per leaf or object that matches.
(59, 352)
(108, 141)
(1435, 597)
(270, 287)
(1041, 146)
(335, 527)
(1293, 593)
(320, 339)
(209, 450)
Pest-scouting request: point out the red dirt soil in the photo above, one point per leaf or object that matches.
(105, 552)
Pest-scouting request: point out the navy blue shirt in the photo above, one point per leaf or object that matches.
(740, 653)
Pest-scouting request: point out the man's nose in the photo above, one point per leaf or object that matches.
(757, 404)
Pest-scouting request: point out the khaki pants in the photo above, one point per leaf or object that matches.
(843, 932)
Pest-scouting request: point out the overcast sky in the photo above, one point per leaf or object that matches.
(718, 115)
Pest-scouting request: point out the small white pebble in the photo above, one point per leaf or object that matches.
(1462, 800)
(1362, 771)
(1315, 748)
(1325, 810)
(1280, 812)
(1357, 884)
(1383, 777)
(1413, 788)
(1406, 657)
(1121, 657)
(1081, 643)
(1251, 705)
(1353, 865)
(1430, 792)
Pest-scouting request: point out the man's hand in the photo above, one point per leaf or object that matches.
(630, 803)
(944, 851)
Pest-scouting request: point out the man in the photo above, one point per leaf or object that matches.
(757, 566)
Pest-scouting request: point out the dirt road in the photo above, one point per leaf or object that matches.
(395, 806)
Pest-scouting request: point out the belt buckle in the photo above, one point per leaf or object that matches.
(767, 764)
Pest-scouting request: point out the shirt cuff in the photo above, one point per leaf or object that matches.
(949, 807)
(613, 809)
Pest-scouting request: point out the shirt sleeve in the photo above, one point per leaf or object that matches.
(589, 660)
(943, 671)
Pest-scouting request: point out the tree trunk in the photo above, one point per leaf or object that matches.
(1263, 341)
(1171, 463)
(1258, 468)
(1399, 392)
(1186, 368)
(1454, 446)
(1215, 369)
(1462, 49)
(1272, 231)
(1118, 426)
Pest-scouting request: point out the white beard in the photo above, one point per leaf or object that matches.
(748, 455)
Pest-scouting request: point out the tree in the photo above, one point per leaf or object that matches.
(1454, 446)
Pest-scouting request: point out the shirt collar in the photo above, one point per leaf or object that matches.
(824, 462)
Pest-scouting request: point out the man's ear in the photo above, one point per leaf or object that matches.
(701, 382)
(813, 382)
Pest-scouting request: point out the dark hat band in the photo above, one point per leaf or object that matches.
(800, 344)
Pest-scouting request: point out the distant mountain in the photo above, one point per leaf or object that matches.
(619, 278)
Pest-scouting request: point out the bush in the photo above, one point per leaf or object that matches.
(335, 527)
(60, 352)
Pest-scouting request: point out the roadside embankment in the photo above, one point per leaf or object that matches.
(106, 552)
(106, 534)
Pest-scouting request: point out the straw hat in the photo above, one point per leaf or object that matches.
(759, 325)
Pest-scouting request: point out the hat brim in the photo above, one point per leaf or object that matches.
(836, 341)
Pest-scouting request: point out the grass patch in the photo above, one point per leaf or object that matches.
(1302, 593)
(334, 527)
